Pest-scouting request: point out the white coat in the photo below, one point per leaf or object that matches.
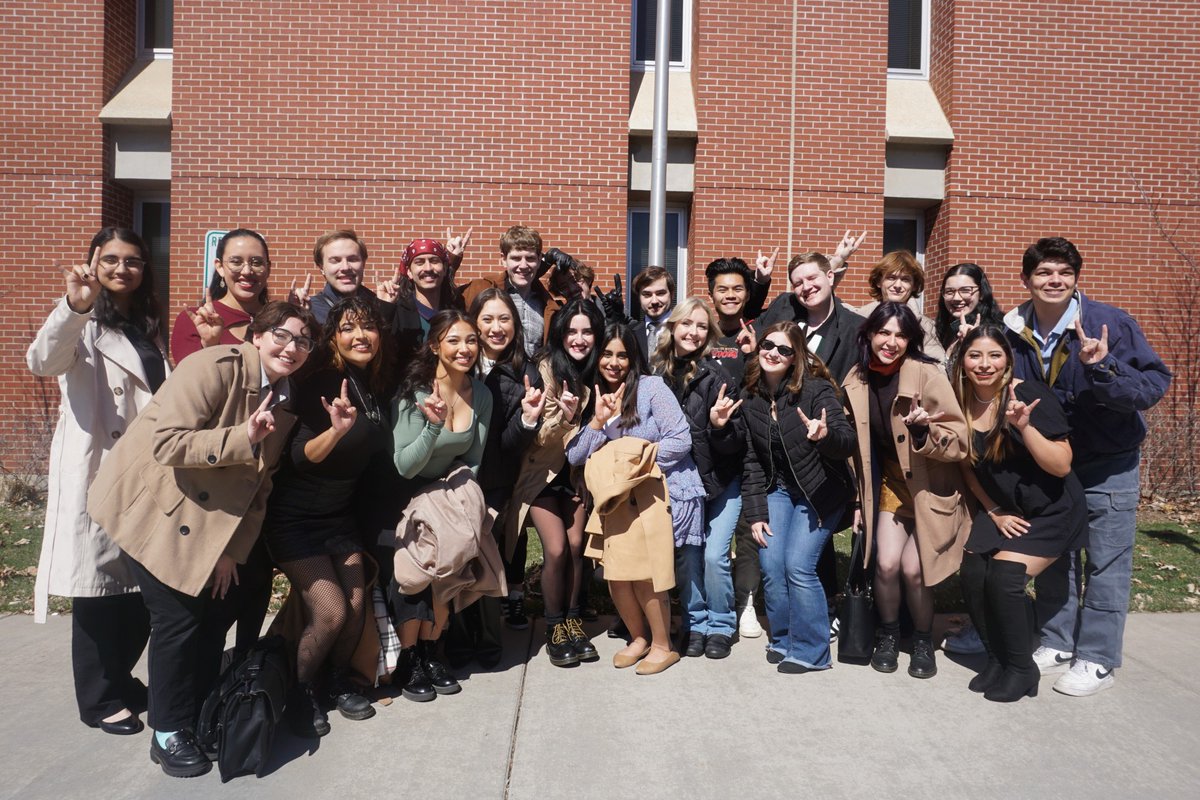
(103, 388)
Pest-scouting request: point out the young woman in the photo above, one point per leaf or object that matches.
(706, 393)
(795, 489)
(517, 402)
(631, 403)
(545, 492)
(103, 341)
(911, 433)
(1032, 508)
(966, 297)
(183, 494)
(898, 278)
(237, 292)
(311, 527)
(441, 416)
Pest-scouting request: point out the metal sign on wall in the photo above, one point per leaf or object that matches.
(211, 240)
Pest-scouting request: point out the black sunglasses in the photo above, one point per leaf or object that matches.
(784, 350)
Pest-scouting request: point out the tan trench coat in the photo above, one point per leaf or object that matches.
(102, 387)
(545, 458)
(943, 519)
(184, 484)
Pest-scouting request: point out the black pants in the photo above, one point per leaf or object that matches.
(747, 576)
(187, 637)
(108, 635)
(248, 600)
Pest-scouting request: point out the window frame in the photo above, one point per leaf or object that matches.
(910, 214)
(686, 45)
(152, 53)
(681, 247)
(923, 72)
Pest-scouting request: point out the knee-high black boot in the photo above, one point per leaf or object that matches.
(1012, 632)
(972, 578)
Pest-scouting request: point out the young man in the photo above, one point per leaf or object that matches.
(829, 326)
(520, 260)
(654, 291)
(341, 258)
(1099, 364)
(738, 296)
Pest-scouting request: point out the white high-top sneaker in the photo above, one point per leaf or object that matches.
(748, 627)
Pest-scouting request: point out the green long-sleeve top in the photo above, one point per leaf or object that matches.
(427, 450)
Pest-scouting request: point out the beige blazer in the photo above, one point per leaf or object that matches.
(102, 387)
(932, 472)
(184, 484)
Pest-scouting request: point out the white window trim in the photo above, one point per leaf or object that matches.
(140, 200)
(923, 72)
(144, 53)
(648, 66)
(681, 284)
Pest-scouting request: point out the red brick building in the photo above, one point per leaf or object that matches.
(962, 128)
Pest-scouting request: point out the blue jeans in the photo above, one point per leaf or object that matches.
(797, 612)
(1095, 629)
(703, 573)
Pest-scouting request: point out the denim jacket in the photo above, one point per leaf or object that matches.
(1103, 401)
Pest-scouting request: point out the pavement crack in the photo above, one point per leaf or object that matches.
(512, 740)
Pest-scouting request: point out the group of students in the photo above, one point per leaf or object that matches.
(405, 438)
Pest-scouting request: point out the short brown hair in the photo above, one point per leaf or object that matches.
(817, 258)
(519, 237)
(585, 273)
(277, 312)
(333, 236)
(648, 276)
(900, 261)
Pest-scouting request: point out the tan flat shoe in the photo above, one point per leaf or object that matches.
(655, 667)
(623, 660)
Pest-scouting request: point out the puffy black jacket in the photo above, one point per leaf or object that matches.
(837, 348)
(508, 438)
(819, 468)
(717, 452)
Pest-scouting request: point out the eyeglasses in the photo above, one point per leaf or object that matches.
(784, 350)
(238, 264)
(130, 262)
(966, 293)
(283, 337)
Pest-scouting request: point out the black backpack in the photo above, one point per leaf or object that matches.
(239, 717)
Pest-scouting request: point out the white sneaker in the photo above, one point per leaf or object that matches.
(966, 642)
(1050, 661)
(748, 627)
(1085, 678)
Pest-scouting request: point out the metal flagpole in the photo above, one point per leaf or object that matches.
(658, 162)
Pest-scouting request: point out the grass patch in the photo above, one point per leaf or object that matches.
(20, 547)
(1166, 568)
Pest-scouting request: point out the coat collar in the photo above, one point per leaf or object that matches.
(116, 348)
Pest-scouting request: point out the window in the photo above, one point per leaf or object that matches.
(645, 18)
(674, 252)
(152, 221)
(908, 38)
(904, 229)
(155, 27)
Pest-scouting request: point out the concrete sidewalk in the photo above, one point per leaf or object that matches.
(703, 729)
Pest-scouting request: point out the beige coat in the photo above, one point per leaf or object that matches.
(943, 519)
(545, 458)
(102, 387)
(630, 528)
(184, 484)
(444, 540)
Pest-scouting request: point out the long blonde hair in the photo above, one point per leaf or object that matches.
(662, 356)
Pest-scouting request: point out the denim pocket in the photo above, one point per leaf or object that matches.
(1124, 501)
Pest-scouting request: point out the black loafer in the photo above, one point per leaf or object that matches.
(791, 668)
(695, 645)
(182, 757)
(123, 727)
(717, 645)
(774, 657)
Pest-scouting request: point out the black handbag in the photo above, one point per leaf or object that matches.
(856, 614)
(239, 718)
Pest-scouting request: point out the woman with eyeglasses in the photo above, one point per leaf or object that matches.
(911, 438)
(237, 291)
(312, 523)
(965, 302)
(898, 278)
(103, 341)
(183, 494)
(795, 488)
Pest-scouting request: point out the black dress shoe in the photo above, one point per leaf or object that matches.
(305, 716)
(182, 757)
(559, 647)
(618, 630)
(717, 645)
(792, 668)
(886, 656)
(922, 664)
(774, 656)
(695, 645)
(123, 727)
(410, 674)
(443, 682)
(349, 701)
(579, 640)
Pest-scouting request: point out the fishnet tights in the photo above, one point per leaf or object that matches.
(333, 590)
